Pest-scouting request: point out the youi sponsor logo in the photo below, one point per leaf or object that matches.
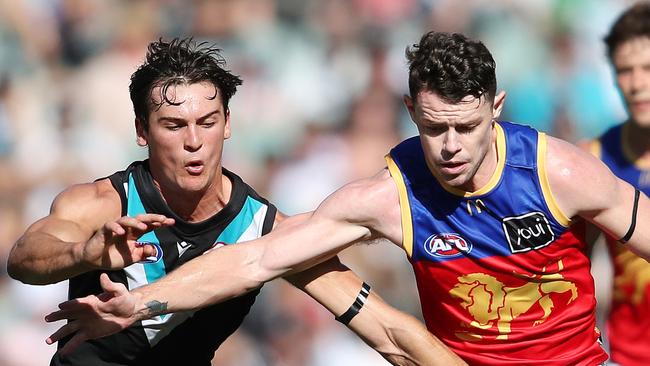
(527, 232)
(447, 245)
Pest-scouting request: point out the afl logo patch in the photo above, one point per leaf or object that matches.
(156, 257)
(447, 245)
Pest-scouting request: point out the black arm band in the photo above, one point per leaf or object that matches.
(630, 231)
(361, 299)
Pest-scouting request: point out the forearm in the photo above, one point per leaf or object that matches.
(625, 222)
(39, 259)
(639, 241)
(212, 278)
(398, 337)
(233, 270)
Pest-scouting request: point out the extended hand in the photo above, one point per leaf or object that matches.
(115, 246)
(93, 316)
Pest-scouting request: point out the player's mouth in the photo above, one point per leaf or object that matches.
(194, 167)
(640, 105)
(452, 168)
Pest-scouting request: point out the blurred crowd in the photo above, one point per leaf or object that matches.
(319, 107)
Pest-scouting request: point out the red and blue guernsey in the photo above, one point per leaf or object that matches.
(502, 273)
(628, 325)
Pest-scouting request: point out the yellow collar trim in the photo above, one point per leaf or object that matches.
(628, 154)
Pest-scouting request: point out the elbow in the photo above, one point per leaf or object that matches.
(14, 268)
(253, 272)
(395, 356)
(15, 265)
(258, 276)
(25, 277)
(390, 349)
(13, 271)
(19, 270)
(264, 265)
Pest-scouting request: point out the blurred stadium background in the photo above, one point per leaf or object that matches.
(320, 106)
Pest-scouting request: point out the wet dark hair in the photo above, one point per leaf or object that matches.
(633, 23)
(179, 61)
(452, 66)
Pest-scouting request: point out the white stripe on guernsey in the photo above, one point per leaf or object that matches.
(157, 327)
(126, 189)
(160, 326)
(135, 275)
(254, 230)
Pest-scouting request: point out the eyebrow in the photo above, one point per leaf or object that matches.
(202, 118)
(475, 121)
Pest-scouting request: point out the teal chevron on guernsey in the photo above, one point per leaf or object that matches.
(156, 270)
(247, 225)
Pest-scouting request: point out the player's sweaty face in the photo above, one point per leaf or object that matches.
(631, 61)
(186, 138)
(456, 137)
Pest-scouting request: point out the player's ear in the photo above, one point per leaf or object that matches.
(497, 106)
(141, 131)
(410, 106)
(226, 131)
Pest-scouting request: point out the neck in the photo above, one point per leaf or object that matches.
(201, 205)
(637, 139)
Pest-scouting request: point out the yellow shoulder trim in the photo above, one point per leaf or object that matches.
(405, 207)
(546, 187)
(595, 148)
(496, 176)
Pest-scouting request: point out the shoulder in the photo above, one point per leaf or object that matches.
(372, 188)
(80, 202)
(370, 202)
(577, 178)
(591, 146)
(564, 159)
(369, 192)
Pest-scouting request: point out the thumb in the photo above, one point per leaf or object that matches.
(114, 288)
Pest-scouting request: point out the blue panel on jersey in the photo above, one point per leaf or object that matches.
(611, 153)
(241, 222)
(153, 271)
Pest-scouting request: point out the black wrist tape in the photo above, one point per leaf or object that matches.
(630, 231)
(361, 299)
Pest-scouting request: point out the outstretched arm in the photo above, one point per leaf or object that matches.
(398, 337)
(309, 239)
(349, 215)
(84, 231)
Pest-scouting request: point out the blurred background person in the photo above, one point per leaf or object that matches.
(320, 104)
(625, 148)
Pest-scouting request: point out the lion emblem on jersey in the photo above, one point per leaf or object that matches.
(491, 303)
(630, 285)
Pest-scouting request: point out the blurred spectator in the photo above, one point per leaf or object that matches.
(320, 106)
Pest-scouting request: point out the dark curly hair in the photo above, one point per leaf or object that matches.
(180, 61)
(452, 66)
(633, 23)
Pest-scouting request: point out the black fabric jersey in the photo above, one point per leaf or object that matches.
(186, 338)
